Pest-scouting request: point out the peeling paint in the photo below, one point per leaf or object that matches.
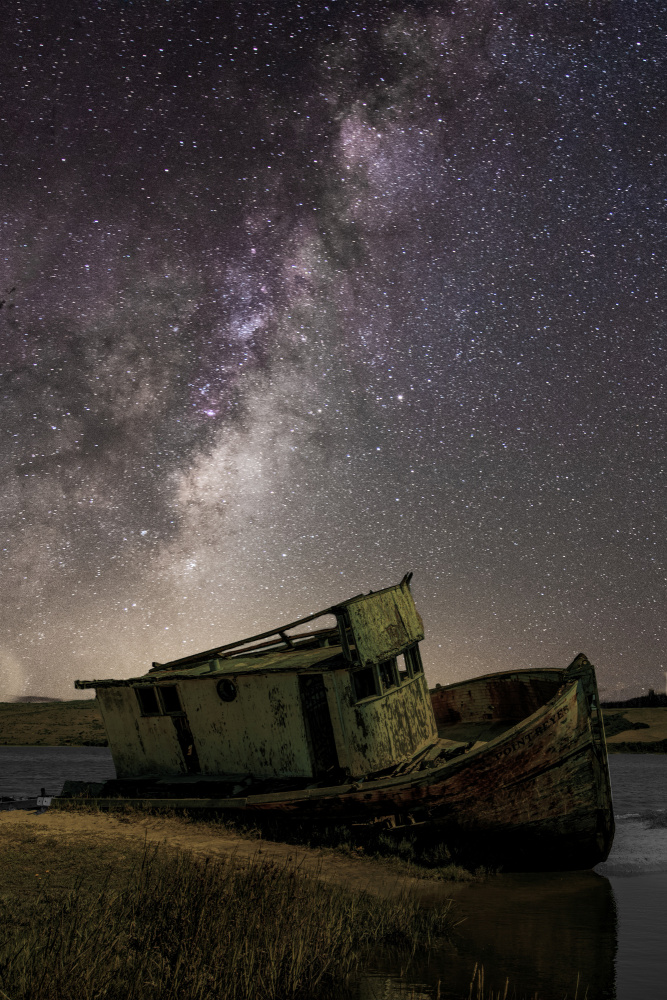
(384, 624)
(263, 728)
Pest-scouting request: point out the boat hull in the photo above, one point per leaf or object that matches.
(534, 794)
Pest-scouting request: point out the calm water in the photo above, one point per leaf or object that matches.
(607, 926)
(24, 771)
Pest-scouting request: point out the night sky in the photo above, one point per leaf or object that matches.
(298, 298)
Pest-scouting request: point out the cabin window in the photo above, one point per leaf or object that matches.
(170, 700)
(388, 674)
(414, 660)
(364, 683)
(148, 701)
(403, 668)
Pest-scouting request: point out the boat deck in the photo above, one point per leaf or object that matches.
(474, 732)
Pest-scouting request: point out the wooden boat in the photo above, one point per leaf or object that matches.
(337, 726)
(534, 785)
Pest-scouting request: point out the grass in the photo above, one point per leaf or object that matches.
(405, 854)
(478, 989)
(636, 730)
(105, 918)
(53, 724)
(30, 860)
(154, 924)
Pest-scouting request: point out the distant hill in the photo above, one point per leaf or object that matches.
(650, 700)
(32, 698)
(33, 721)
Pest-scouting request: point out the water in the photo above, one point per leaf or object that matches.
(639, 782)
(606, 929)
(24, 771)
(608, 926)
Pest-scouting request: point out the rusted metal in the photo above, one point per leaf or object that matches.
(516, 770)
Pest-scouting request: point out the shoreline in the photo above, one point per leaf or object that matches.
(389, 878)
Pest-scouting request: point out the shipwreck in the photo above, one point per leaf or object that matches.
(337, 725)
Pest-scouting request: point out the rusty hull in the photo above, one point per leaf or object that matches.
(518, 777)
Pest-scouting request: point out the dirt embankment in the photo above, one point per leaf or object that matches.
(56, 841)
(52, 724)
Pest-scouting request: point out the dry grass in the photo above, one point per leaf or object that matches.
(478, 990)
(153, 924)
(404, 855)
(652, 723)
(31, 860)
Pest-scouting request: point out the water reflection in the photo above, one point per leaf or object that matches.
(541, 932)
(641, 962)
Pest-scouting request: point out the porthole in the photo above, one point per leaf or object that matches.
(227, 689)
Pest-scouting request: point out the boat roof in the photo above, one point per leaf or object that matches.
(370, 628)
(286, 660)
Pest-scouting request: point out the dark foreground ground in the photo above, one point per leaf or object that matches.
(133, 907)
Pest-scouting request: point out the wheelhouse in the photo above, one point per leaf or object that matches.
(346, 700)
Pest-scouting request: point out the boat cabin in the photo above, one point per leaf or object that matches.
(347, 700)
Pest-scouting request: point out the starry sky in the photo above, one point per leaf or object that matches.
(299, 297)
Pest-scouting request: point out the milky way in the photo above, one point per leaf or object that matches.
(295, 301)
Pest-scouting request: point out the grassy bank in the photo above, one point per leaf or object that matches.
(404, 852)
(151, 923)
(52, 724)
(401, 855)
(636, 730)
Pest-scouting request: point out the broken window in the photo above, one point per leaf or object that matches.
(347, 638)
(148, 700)
(170, 699)
(364, 683)
(414, 660)
(388, 674)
